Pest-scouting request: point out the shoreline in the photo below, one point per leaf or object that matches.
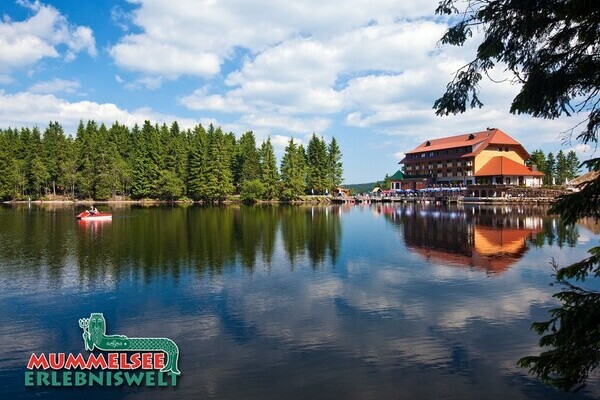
(235, 200)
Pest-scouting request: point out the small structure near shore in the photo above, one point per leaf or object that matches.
(341, 192)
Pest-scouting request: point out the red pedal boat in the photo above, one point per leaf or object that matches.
(88, 216)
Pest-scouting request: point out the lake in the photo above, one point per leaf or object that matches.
(278, 302)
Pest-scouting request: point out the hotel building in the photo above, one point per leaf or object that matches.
(488, 157)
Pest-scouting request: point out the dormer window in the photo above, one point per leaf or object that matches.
(428, 143)
(471, 137)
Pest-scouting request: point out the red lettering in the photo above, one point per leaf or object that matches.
(147, 360)
(36, 362)
(57, 360)
(113, 360)
(75, 362)
(96, 361)
(135, 361)
(124, 363)
(159, 360)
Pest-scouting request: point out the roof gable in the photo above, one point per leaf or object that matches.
(498, 166)
(482, 139)
(398, 176)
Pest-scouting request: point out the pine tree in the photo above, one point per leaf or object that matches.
(68, 168)
(53, 145)
(573, 165)
(86, 169)
(318, 164)
(218, 180)
(6, 168)
(562, 168)
(38, 175)
(387, 182)
(247, 162)
(293, 172)
(106, 160)
(335, 169)
(197, 160)
(170, 186)
(147, 161)
(268, 170)
(35, 169)
(538, 158)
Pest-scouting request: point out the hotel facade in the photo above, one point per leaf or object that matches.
(490, 157)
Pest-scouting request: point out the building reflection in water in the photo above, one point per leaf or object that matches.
(484, 237)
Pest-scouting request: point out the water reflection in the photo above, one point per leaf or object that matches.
(149, 240)
(492, 238)
(291, 302)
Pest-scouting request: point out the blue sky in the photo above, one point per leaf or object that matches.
(365, 72)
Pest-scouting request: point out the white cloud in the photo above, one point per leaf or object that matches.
(201, 100)
(148, 82)
(135, 51)
(204, 33)
(120, 18)
(298, 79)
(55, 86)
(285, 123)
(23, 43)
(27, 109)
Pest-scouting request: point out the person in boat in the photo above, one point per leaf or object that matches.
(93, 210)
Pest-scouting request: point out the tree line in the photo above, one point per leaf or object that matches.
(161, 162)
(557, 170)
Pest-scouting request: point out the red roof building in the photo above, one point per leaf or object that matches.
(486, 157)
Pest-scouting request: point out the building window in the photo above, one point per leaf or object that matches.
(506, 149)
(499, 148)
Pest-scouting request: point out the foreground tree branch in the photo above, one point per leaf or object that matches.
(553, 50)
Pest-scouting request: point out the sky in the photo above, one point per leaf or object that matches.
(365, 72)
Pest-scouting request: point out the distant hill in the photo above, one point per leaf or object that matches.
(360, 187)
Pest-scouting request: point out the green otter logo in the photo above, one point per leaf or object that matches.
(94, 336)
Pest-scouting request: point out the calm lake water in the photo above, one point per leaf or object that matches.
(364, 302)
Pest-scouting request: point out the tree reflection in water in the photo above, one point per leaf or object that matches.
(145, 241)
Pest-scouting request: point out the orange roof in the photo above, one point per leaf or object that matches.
(491, 241)
(482, 139)
(503, 166)
(494, 250)
(475, 260)
(451, 142)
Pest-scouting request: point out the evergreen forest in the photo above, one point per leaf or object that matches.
(160, 162)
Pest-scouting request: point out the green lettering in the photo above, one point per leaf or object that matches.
(55, 381)
(134, 378)
(43, 379)
(118, 376)
(161, 379)
(29, 378)
(67, 378)
(99, 379)
(150, 381)
(80, 378)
